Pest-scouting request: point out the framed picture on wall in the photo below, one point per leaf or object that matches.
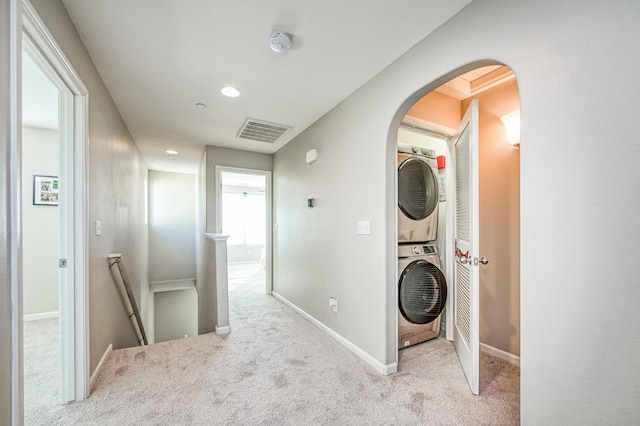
(45, 190)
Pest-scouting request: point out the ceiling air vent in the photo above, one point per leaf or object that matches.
(262, 131)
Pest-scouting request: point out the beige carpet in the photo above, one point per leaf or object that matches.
(41, 368)
(275, 368)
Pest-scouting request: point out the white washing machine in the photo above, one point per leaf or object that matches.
(422, 293)
(418, 194)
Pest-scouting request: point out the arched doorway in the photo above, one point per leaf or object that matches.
(436, 113)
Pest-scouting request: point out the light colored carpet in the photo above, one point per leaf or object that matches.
(275, 368)
(41, 368)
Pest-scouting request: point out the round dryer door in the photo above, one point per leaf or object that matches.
(422, 292)
(417, 189)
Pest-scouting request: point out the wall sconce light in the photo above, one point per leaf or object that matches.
(511, 123)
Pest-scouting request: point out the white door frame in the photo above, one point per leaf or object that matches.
(268, 245)
(449, 232)
(73, 141)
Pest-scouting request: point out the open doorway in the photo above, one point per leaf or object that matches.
(244, 206)
(40, 244)
(439, 113)
(61, 189)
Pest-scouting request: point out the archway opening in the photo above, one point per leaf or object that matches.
(430, 122)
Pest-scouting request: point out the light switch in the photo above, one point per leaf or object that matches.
(364, 227)
(98, 227)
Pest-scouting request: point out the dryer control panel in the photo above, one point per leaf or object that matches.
(410, 149)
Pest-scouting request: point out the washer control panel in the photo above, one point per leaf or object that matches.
(417, 250)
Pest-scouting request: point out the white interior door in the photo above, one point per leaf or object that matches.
(466, 282)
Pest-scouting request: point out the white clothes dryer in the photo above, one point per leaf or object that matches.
(422, 293)
(418, 194)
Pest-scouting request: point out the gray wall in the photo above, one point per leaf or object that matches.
(578, 94)
(176, 314)
(172, 253)
(116, 195)
(230, 158)
(39, 225)
(172, 226)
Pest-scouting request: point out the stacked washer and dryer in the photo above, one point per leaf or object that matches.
(422, 288)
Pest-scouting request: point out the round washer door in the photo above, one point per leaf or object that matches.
(417, 189)
(422, 292)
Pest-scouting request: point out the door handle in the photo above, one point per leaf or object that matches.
(464, 260)
(484, 260)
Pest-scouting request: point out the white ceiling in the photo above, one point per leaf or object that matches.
(158, 59)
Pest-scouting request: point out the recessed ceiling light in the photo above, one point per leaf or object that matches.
(230, 92)
(201, 105)
(171, 152)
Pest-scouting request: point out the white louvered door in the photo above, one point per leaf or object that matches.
(466, 283)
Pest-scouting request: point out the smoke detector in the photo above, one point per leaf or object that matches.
(280, 42)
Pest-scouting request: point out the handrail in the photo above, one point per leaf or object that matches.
(132, 306)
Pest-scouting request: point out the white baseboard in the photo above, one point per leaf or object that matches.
(103, 360)
(385, 369)
(223, 330)
(499, 353)
(43, 315)
(160, 286)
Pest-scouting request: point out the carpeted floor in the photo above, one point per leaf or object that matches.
(41, 368)
(275, 368)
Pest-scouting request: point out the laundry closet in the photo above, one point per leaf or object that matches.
(422, 288)
(424, 132)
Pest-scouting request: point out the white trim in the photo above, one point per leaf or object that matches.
(160, 286)
(449, 236)
(419, 123)
(42, 315)
(14, 210)
(385, 369)
(74, 318)
(101, 363)
(499, 353)
(216, 237)
(223, 330)
(269, 219)
(393, 272)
